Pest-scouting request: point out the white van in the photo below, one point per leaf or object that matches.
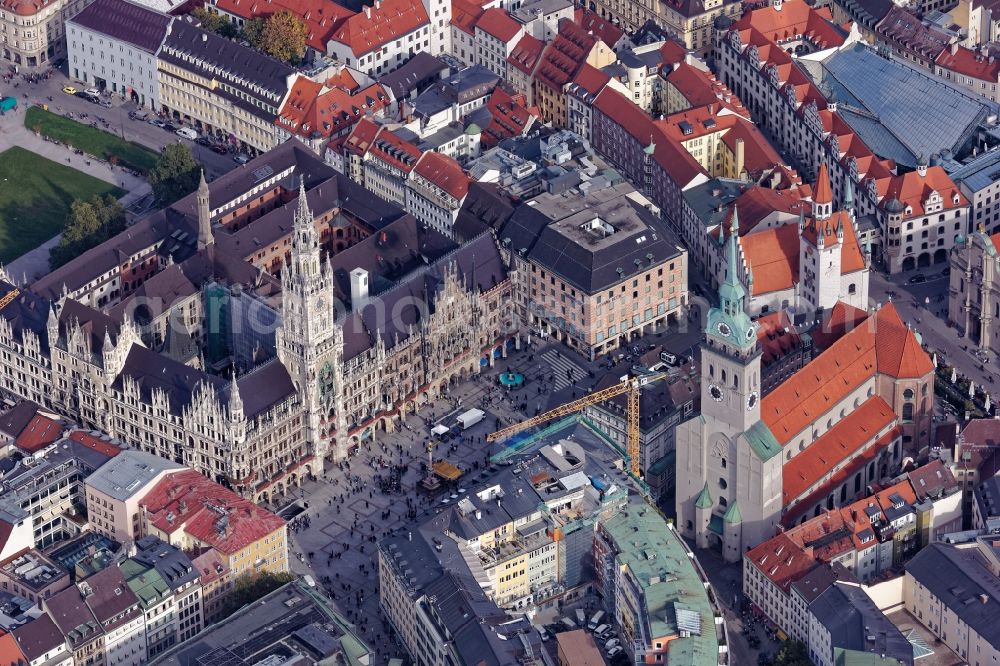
(595, 620)
(602, 631)
(187, 133)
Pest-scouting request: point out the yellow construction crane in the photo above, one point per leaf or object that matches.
(631, 386)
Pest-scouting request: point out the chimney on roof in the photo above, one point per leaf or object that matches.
(359, 288)
(368, 11)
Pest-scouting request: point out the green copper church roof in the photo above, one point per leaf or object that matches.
(729, 322)
(704, 500)
(762, 441)
(733, 514)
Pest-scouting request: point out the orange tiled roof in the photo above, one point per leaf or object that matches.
(776, 336)
(313, 108)
(859, 428)
(526, 53)
(995, 239)
(823, 194)
(464, 15)
(444, 172)
(320, 16)
(819, 386)
(899, 353)
(969, 63)
(773, 258)
(361, 137)
(374, 27)
(95, 443)
(10, 651)
(393, 150)
(795, 17)
(509, 116)
(564, 56)
(39, 433)
(497, 23)
(590, 21)
(782, 560)
(215, 516)
(838, 320)
(912, 190)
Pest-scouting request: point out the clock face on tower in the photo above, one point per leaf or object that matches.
(715, 392)
(752, 400)
(724, 329)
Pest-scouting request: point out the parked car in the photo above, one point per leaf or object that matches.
(187, 133)
(82, 95)
(157, 122)
(203, 141)
(614, 651)
(219, 149)
(241, 159)
(613, 643)
(93, 91)
(69, 90)
(918, 279)
(106, 103)
(168, 127)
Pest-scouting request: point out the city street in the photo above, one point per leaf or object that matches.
(348, 513)
(930, 319)
(139, 131)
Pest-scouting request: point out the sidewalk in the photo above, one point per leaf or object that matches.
(35, 263)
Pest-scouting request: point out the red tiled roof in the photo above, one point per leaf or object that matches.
(395, 151)
(444, 172)
(912, 190)
(591, 79)
(671, 157)
(969, 63)
(564, 56)
(776, 336)
(39, 433)
(782, 560)
(361, 137)
(859, 428)
(590, 21)
(95, 443)
(795, 17)
(189, 501)
(497, 23)
(374, 27)
(837, 321)
(526, 54)
(758, 203)
(464, 15)
(509, 116)
(314, 108)
(701, 88)
(672, 52)
(819, 386)
(773, 258)
(10, 651)
(823, 194)
(320, 16)
(24, 7)
(899, 353)
(995, 239)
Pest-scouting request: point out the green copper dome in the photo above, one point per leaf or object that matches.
(729, 322)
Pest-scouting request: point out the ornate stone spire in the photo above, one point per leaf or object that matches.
(205, 237)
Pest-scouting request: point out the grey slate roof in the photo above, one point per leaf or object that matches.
(898, 111)
(856, 623)
(128, 473)
(413, 74)
(38, 637)
(255, 75)
(124, 21)
(169, 561)
(17, 418)
(27, 312)
(959, 580)
(980, 172)
(465, 86)
(550, 230)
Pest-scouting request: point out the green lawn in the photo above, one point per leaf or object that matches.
(35, 197)
(89, 139)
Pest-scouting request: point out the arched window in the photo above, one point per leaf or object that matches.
(723, 503)
(711, 371)
(908, 394)
(722, 375)
(908, 411)
(722, 483)
(851, 289)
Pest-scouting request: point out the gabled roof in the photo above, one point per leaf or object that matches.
(781, 560)
(374, 27)
(912, 190)
(509, 116)
(591, 21)
(565, 55)
(969, 63)
(899, 352)
(444, 172)
(395, 151)
(321, 17)
(794, 17)
(772, 255)
(526, 54)
(39, 433)
(498, 24)
(314, 110)
(835, 446)
(464, 15)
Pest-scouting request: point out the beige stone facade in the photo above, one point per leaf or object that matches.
(32, 35)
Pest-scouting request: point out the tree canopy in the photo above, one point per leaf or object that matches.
(251, 587)
(90, 223)
(792, 653)
(175, 174)
(282, 35)
(216, 23)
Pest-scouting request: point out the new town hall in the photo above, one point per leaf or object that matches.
(264, 323)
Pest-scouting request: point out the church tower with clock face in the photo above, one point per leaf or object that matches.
(730, 359)
(309, 337)
(720, 485)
